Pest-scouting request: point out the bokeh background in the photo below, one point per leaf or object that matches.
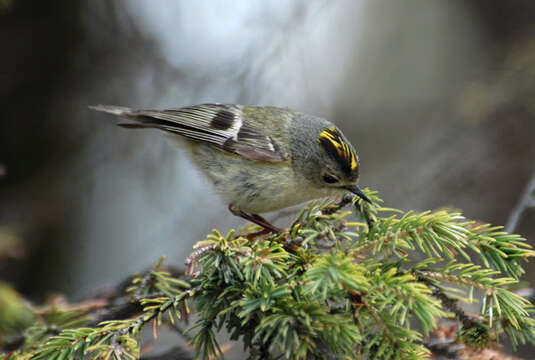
(438, 97)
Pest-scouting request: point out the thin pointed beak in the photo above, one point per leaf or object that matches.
(356, 190)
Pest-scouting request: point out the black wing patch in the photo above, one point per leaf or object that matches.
(223, 120)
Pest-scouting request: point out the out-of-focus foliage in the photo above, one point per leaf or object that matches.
(15, 314)
(373, 283)
(5, 5)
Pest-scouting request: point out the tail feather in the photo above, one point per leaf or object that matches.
(142, 121)
(139, 126)
(112, 109)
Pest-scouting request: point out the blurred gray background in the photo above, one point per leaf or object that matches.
(437, 97)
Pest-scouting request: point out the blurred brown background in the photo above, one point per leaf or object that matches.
(437, 96)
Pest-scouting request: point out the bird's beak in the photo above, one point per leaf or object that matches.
(356, 190)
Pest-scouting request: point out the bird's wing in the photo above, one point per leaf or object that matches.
(223, 126)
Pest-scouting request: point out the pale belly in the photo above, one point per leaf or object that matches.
(252, 186)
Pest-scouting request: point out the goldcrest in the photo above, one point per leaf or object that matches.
(259, 158)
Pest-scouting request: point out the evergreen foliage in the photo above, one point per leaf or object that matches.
(370, 283)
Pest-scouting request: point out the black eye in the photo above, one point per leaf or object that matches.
(330, 179)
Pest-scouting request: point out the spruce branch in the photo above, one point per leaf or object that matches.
(364, 271)
(70, 332)
(367, 282)
(114, 338)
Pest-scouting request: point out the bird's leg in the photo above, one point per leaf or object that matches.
(257, 219)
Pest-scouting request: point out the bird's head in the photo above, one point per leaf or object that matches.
(339, 168)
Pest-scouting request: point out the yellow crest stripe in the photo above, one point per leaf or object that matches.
(333, 137)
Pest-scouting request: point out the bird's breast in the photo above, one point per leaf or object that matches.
(254, 186)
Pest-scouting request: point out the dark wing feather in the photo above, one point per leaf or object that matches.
(222, 126)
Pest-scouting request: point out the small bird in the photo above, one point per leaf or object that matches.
(259, 158)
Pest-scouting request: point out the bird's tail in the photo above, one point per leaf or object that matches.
(143, 121)
(112, 109)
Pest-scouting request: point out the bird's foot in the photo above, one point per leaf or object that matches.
(258, 220)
